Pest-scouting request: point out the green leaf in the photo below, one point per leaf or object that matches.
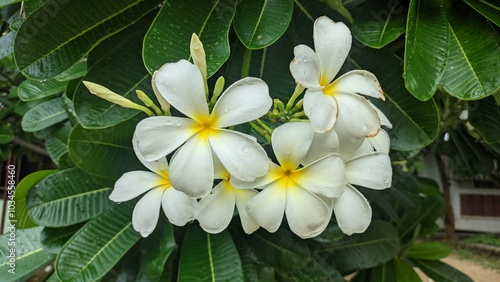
(472, 67)
(106, 153)
(415, 123)
(281, 249)
(168, 38)
(156, 249)
(8, 2)
(24, 252)
(66, 198)
(77, 70)
(338, 6)
(42, 53)
(23, 220)
(384, 272)
(31, 6)
(405, 272)
(7, 44)
(426, 48)
(211, 257)
(32, 89)
(484, 115)
(378, 244)
(470, 157)
(259, 24)
(488, 8)
(53, 239)
(428, 251)
(44, 115)
(56, 143)
(440, 271)
(119, 68)
(378, 23)
(6, 134)
(98, 245)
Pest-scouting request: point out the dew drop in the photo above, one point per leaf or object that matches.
(244, 149)
(305, 61)
(226, 110)
(178, 123)
(169, 122)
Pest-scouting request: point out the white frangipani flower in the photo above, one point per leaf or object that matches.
(215, 211)
(368, 166)
(201, 133)
(299, 192)
(177, 206)
(326, 103)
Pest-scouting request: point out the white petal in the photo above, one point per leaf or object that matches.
(158, 136)
(323, 144)
(305, 67)
(181, 84)
(381, 142)
(246, 100)
(146, 212)
(332, 42)
(192, 169)
(159, 166)
(242, 197)
(352, 211)
(306, 213)
(275, 171)
(134, 183)
(268, 207)
(163, 103)
(383, 119)
(291, 141)
(359, 82)
(356, 118)
(214, 212)
(220, 172)
(321, 110)
(240, 154)
(372, 171)
(325, 176)
(178, 207)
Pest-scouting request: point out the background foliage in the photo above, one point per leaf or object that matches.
(437, 61)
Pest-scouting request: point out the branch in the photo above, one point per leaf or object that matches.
(30, 146)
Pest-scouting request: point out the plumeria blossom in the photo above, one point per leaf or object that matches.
(302, 193)
(215, 211)
(177, 206)
(369, 166)
(326, 103)
(201, 134)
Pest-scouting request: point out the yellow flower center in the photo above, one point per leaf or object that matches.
(164, 181)
(329, 89)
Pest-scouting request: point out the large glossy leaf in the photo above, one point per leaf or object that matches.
(440, 271)
(472, 67)
(169, 36)
(378, 23)
(7, 44)
(415, 123)
(31, 89)
(105, 152)
(426, 48)
(384, 272)
(428, 251)
(23, 220)
(405, 272)
(80, 26)
(27, 257)
(259, 24)
(484, 115)
(116, 63)
(57, 143)
(156, 249)
(281, 249)
(209, 257)
(8, 2)
(44, 115)
(53, 239)
(98, 245)
(488, 8)
(66, 198)
(378, 244)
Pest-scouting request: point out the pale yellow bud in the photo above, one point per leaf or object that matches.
(165, 106)
(198, 54)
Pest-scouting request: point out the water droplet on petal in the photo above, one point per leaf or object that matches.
(169, 122)
(226, 110)
(244, 149)
(178, 123)
(305, 61)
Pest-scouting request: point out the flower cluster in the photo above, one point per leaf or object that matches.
(318, 160)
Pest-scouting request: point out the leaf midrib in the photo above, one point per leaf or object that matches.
(258, 21)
